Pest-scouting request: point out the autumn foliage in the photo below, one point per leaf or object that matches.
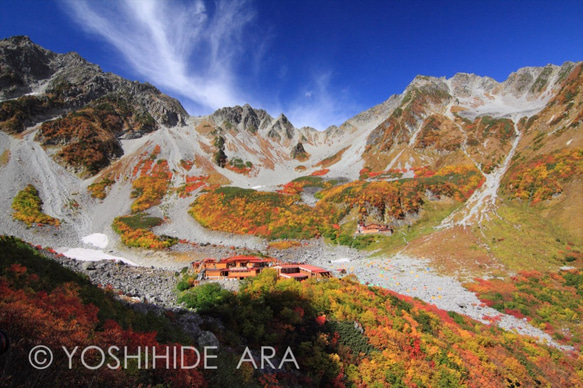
(298, 185)
(284, 244)
(186, 164)
(330, 160)
(153, 181)
(346, 334)
(544, 177)
(282, 215)
(320, 172)
(191, 184)
(367, 173)
(239, 166)
(17, 114)
(42, 303)
(341, 333)
(27, 207)
(135, 232)
(247, 211)
(395, 199)
(550, 301)
(88, 137)
(99, 189)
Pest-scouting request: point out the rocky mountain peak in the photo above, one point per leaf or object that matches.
(241, 118)
(73, 59)
(66, 82)
(22, 63)
(427, 86)
(531, 82)
(465, 84)
(282, 128)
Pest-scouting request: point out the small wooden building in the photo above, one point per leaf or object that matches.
(301, 271)
(362, 228)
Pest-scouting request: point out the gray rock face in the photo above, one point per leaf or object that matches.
(434, 94)
(298, 151)
(464, 85)
(281, 129)
(241, 118)
(23, 63)
(28, 68)
(245, 118)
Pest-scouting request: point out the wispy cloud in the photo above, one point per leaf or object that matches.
(196, 50)
(320, 104)
(185, 48)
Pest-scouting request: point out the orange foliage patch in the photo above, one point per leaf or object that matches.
(246, 211)
(542, 178)
(332, 159)
(140, 237)
(238, 170)
(59, 318)
(99, 189)
(292, 188)
(320, 172)
(192, 183)
(187, 164)
(153, 181)
(366, 173)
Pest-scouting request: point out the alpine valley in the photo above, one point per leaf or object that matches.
(450, 216)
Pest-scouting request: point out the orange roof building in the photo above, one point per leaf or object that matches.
(241, 267)
(301, 271)
(362, 228)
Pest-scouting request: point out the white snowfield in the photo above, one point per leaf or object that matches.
(98, 240)
(86, 254)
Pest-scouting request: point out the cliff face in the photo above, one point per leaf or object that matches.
(70, 82)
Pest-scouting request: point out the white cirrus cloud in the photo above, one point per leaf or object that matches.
(183, 47)
(204, 52)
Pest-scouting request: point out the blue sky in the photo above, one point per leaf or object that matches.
(318, 61)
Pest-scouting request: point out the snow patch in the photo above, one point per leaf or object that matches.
(85, 254)
(98, 240)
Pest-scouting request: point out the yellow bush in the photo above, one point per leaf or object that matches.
(27, 207)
